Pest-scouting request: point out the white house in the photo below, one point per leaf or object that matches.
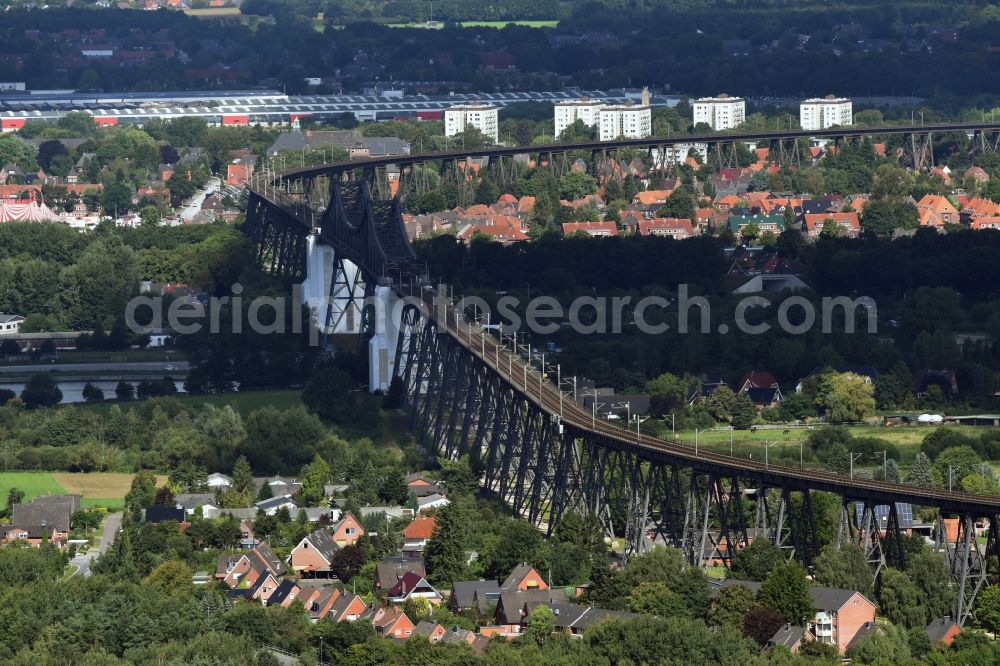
(431, 502)
(271, 506)
(10, 324)
(220, 481)
(720, 113)
(481, 116)
(818, 114)
(586, 110)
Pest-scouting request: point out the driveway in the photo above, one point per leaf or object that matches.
(112, 522)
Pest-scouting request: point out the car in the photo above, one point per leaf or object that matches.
(169, 366)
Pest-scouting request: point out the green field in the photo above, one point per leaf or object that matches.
(106, 489)
(213, 12)
(244, 402)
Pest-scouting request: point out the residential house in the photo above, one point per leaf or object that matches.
(845, 224)
(418, 479)
(254, 564)
(272, 505)
(314, 554)
(261, 589)
(431, 502)
(596, 229)
(511, 614)
(239, 171)
(936, 211)
(774, 224)
(10, 323)
(417, 534)
(765, 398)
(458, 636)
(46, 517)
(347, 607)
(347, 530)
(573, 619)
(789, 637)
(411, 586)
(390, 570)
(977, 174)
(247, 539)
(985, 222)
(432, 631)
(474, 594)
(942, 630)
(34, 535)
(216, 481)
(679, 228)
(160, 514)
(840, 614)
(524, 577)
(756, 379)
(192, 501)
(286, 592)
(391, 622)
(321, 602)
(500, 228)
(278, 485)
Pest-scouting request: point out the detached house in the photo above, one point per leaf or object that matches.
(840, 614)
(347, 530)
(417, 534)
(347, 607)
(392, 623)
(936, 211)
(314, 554)
(412, 586)
(246, 570)
(390, 570)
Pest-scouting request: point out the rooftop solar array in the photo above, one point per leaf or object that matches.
(904, 512)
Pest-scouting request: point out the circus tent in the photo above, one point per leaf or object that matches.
(25, 210)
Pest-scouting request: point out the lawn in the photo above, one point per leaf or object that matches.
(244, 402)
(98, 488)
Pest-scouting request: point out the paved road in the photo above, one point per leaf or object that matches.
(112, 522)
(193, 206)
(139, 366)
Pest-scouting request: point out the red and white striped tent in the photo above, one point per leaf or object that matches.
(25, 210)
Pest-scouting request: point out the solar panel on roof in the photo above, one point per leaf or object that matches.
(904, 513)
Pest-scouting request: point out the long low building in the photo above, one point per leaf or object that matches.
(268, 107)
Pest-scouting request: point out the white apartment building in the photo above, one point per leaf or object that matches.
(481, 116)
(584, 109)
(678, 153)
(720, 113)
(818, 114)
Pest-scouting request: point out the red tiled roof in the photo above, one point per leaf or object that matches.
(422, 527)
(592, 228)
(679, 226)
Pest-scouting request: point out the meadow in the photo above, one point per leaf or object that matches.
(99, 489)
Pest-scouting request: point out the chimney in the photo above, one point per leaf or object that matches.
(645, 96)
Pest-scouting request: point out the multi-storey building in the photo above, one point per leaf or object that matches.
(720, 113)
(586, 110)
(818, 114)
(481, 116)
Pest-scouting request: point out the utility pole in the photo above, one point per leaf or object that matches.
(853, 458)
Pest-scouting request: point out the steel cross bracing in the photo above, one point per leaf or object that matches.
(467, 393)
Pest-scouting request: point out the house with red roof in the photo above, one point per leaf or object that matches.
(590, 228)
(392, 623)
(848, 224)
(412, 585)
(672, 227)
(936, 211)
(652, 197)
(500, 228)
(417, 534)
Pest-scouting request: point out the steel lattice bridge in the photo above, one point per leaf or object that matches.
(333, 232)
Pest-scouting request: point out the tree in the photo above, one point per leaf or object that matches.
(731, 606)
(242, 476)
(14, 496)
(394, 490)
(921, 472)
(149, 216)
(314, 478)
(576, 185)
(171, 578)
(661, 564)
(124, 391)
(92, 393)
(929, 574)
(761, 623)
(347, 562)
(608, 588)
(891, 647)
(744, 412)
(519, 542)
(750, 233)
(756, 561)
(655, 598)
(786, 590)
(141, 494)
(667, 392)
(679, 204)
(417, 608)
(721, 403)
(541, 624)
(988, 608)
(845, 396)
(445, 551)
(41, 391)
(694, 589)
(487, 192)
(899, 599)
(844, 567)
(891, 182)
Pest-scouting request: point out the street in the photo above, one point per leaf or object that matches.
(83, 561)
